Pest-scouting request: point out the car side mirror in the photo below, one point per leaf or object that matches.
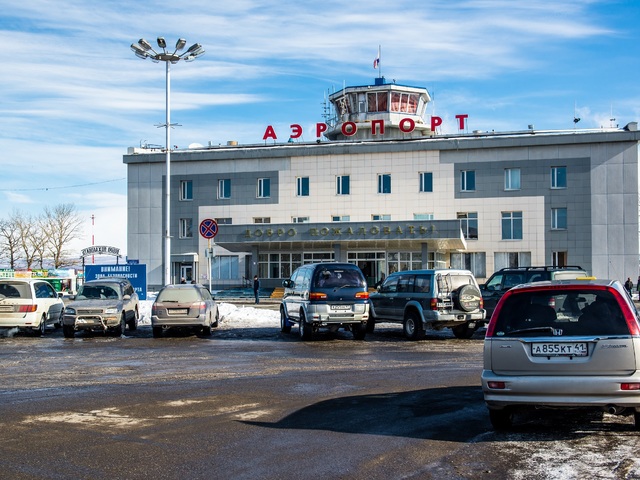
(126, 297)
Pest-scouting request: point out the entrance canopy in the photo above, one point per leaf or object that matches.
(439, 235)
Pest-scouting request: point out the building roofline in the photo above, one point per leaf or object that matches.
(462, 141)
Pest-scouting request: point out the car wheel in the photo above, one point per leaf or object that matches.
(39, 332)
(157, 332)
(133, 323)
(463, 331)
(306, 330)
(120, 329)
(501, 419)
(412, 327)
(359, 331)
(206, 330)
(467, 298)
(216, 322)
(371, 324)
(636, 420)
(285, 326)
(67, 331)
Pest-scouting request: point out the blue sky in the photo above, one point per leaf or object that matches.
(73, 96)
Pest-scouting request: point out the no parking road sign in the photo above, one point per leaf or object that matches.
(208, 228)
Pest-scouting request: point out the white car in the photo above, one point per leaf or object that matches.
(29, 304)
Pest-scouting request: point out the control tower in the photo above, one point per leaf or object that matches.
(389, 102)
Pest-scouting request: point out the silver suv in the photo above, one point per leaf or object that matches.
(421, 299)
(106, 304)
(562, 344)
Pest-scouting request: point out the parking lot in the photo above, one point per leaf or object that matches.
(250, 402)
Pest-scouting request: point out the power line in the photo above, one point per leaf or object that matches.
(58, 187)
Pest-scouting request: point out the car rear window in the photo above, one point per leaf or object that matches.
(451, 282)
(15, 290)
(561, 313)
(179, 295)
(331, 277)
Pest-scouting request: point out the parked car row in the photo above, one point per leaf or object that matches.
(107, 305)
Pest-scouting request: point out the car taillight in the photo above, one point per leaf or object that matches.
(202, 306)
(317, 296)
(362, 295)
(497, 385)
(154, 309)
(630, 386)
(27, 308)
(433, 303)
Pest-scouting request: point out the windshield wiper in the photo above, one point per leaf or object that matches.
(531, 330)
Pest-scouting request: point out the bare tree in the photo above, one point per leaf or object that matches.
(61, 224)
(27, 232)
(38, 240)
(10, 242)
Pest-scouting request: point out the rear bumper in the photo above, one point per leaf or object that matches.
(20, 320)
(178, 322)
(321, 315)
(442, 319)
(560, 391)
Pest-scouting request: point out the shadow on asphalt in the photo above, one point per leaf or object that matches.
(453, 414)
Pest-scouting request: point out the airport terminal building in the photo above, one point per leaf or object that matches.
(382, 189)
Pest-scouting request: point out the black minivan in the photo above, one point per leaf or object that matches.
(325, 295)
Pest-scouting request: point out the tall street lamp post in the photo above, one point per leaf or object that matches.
(144, 50)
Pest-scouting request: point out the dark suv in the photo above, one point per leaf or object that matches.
(506, 278)
(325, 295)
(421, 299)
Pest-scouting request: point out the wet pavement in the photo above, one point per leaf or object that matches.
(254, 403)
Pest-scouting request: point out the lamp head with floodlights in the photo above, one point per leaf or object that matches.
(144, 50)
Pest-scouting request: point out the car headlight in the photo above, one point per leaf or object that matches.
(69, 311)
(110, 311)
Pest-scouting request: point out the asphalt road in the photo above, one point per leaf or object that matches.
(257, 404)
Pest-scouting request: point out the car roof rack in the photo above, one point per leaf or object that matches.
(547, 268)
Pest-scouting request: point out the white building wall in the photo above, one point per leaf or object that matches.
(605, 212)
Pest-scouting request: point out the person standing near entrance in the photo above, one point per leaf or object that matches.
(628, 285)
(256, 288)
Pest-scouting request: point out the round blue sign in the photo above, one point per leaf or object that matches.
(208, 228)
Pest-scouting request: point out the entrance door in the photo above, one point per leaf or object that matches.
(372, 264)
(186, 272)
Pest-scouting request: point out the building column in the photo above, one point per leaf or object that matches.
(425, 256)
(338, 254)
(254, 260)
